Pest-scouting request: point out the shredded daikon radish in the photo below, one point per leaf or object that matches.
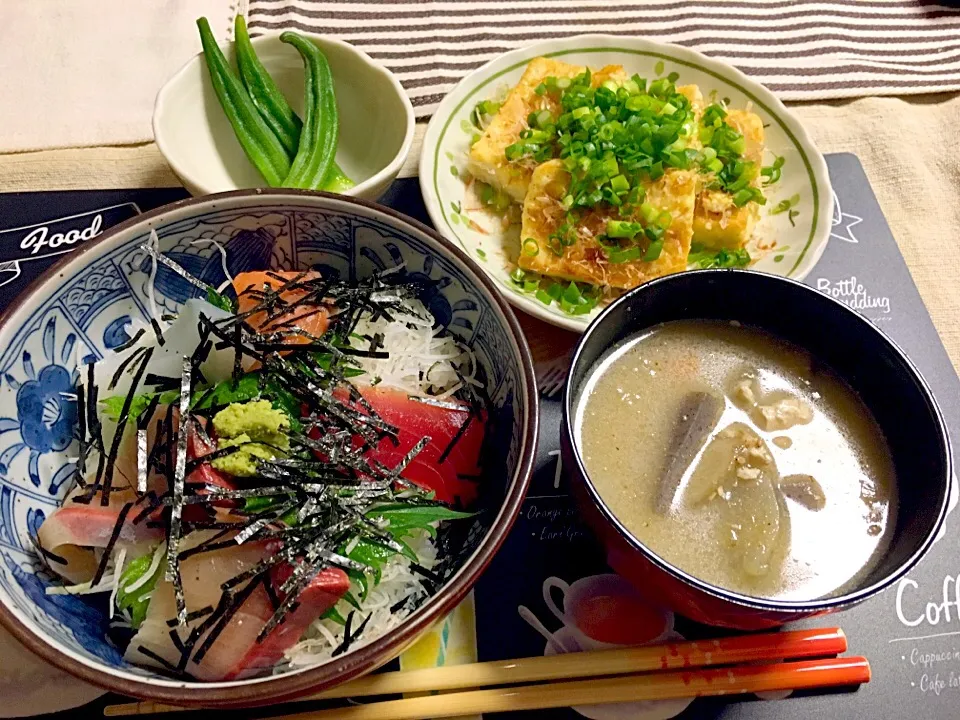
(117, 572)
(423, 360)
(84, 588)
(158, 556)
(223, 262)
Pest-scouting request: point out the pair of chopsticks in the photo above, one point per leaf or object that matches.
(791, 660)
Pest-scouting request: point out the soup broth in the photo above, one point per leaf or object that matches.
(734, 458)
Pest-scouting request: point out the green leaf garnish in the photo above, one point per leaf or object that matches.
(132, 602)
(113, 406)
(220, 300)
(403, 518)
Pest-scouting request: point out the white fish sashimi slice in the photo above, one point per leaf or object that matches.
(181, 339)
(75, 530)
(235, 653)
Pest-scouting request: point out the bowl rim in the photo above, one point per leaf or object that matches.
(255, 691)
(724, 72)
(800, 607)
(390, 170)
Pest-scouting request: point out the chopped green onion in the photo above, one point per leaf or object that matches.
(653, 251)
(518, 275)
(617, 256)
(742, 197)
(649, 213)
(724, 258)
(610, 165)
(530, 247)
(623, 229)
(620, 184)
(772, 172)
(784, 205)
(653, 233)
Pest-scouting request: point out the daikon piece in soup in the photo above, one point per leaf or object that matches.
(736, 458)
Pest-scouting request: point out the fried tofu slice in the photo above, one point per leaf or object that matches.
(584, 261)
(693, 94)
(487, 161)
(718, 224)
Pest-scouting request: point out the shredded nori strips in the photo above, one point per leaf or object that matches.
(131, 342)
(114, 536)
(349, 637)
(125, 363)
(192, 616)
(179, 475)
(310, 501)
(107, 484)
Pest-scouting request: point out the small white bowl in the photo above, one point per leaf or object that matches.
(376, 119)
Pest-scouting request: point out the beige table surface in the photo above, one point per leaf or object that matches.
(908, 147)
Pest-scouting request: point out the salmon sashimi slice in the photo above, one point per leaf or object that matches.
(235, 653)
(451, 474)
(311, 317)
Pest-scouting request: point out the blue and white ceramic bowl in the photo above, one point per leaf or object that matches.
(78, 311)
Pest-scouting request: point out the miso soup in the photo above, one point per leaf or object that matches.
(734, 457)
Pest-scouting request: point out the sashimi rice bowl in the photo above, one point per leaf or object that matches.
(255, 444)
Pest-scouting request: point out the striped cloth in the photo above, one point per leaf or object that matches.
(801, 50)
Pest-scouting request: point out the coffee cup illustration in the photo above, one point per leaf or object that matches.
(605, 611)
(602, 612)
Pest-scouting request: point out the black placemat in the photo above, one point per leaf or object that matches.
(911, 633)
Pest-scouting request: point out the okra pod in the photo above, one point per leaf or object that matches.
(258, 141)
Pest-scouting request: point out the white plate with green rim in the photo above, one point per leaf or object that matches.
(785, 243)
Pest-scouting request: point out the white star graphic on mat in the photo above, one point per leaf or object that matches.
(847, 220)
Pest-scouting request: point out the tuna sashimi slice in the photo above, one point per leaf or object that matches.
(453, 479)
